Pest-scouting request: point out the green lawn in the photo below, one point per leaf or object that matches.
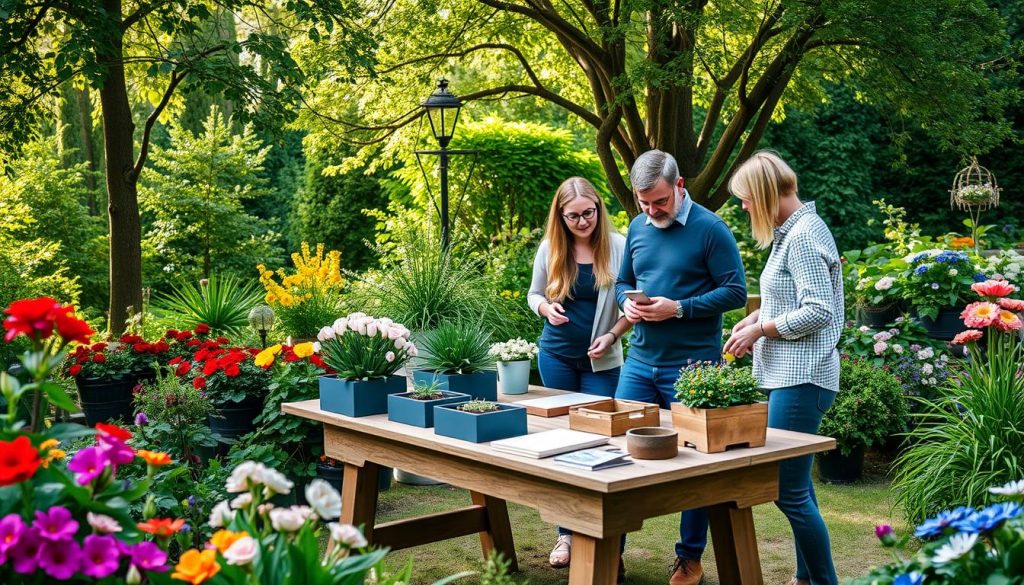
(851, 513)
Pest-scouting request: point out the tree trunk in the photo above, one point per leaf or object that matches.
(85, 129)
(122, 182)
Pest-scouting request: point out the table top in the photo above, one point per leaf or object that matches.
(688, 463)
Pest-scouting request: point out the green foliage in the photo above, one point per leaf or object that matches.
(193, 198)
(938, 279)
(969, 438)
(361, 350)
(713, 385)
(431, 391)
(479, 406)
(753, 257)
(457, 348)
(868, 409)
(510, 262)
(177, 414)
(221, 302)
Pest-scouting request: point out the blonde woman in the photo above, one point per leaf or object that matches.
(793, 337)
(573, 289)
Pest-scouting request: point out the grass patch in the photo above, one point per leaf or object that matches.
(851, 513)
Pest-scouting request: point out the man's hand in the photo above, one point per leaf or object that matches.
(659, 309)
(555, 314)
(632, 315)
(600, 345)
(742, 341)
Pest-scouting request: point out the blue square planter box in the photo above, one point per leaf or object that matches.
(509, 421)
(358, 397)
(481, 385)
(419, 413)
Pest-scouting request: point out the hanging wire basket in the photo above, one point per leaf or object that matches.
(974, 188)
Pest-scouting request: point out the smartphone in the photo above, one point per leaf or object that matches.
(638, 296)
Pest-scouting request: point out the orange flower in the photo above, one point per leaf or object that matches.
(155, 458)
(223, 539)
(962, 242)
(113, 431)
(980, 314)
(196, 567)
(161, 526)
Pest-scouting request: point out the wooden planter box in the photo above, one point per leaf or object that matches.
(614, 417)
(714, 430)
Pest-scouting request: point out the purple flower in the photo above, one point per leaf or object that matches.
(11, 528)
(88, 464)
(60, 560)
(185, 528)
(141, 419)
(935, 286)
(100, 556)
(886, 534)
(115, 449)
(148, 556)
(25, 551)
(56, 524)
(191, 500)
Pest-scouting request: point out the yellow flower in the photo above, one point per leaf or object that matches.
(303, 350)
(223, 539)
(265, 358)
(196, 567)
(729, 358)
(48, 444)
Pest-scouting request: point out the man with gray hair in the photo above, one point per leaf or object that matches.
(684, 258)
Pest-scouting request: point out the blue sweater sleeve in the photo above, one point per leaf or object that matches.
(723, 261)
(627, 278)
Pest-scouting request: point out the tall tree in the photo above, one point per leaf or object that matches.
(700, 79)
(155, 45)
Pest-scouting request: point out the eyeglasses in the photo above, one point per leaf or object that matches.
(574, 217)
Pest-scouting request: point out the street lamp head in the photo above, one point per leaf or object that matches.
(443, 112)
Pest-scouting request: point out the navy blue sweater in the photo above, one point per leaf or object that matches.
(697, 263)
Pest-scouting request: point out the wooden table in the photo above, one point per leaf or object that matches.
(599, 507)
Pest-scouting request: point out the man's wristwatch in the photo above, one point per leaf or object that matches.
(679, 310)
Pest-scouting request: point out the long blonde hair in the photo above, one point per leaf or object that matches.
(562, 267)
(761, 181)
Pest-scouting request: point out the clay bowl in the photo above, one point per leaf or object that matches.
(652, 443)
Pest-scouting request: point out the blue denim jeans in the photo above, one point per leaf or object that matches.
(575, 375)
(800, 408)
(639, 381)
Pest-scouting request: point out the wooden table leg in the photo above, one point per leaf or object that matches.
(359, 497)
(732, 532)
(498, 536)
(595, 561)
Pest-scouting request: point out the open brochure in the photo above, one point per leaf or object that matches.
(594, 459)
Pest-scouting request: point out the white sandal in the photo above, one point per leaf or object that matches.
(559, 557)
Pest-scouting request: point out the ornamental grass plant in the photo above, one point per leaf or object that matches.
(220, 302)
(717, 385)
(457, 348)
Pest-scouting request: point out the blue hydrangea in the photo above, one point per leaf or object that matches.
(979, 277)
(912, 578)
(988, 518)
(947, 257)
(920, 258)
(922, 269)
(937, 526)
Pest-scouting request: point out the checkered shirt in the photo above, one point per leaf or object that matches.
(802, 291)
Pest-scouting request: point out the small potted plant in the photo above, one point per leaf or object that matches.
(456, 356)
(365, 352)
(416, 407)
(937, 285)
(173, 415)
(514, 358)
(877, 291)
(719, 406)
(105, 378)
(232, 382)
(480, 421)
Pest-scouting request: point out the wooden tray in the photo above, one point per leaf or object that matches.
(559, 404)
(614, 417)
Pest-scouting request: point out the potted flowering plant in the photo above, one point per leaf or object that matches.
(877, 290)
(937, 286)
(145, 357)
(456, 355)
(480, 421)
(514, 358)
(719, 406)
(105, 377)
(232, 382)
(365, 352)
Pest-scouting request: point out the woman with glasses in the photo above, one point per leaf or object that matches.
(573, 289)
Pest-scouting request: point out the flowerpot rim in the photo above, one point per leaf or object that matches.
(680, 405)
(335, 377)
(436, 372)
(445, 395)
(501, 406)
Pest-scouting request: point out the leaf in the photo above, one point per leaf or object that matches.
(58, 397)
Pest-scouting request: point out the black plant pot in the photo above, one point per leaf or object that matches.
(834, 467)
(105, 399)
(235, 419)
(878, 317)
(946, 325)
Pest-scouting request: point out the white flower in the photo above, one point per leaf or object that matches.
(864, 329)
(317, 347)
(347, 535)
(264, 508)
(927, 369)
(399, 343)
(249, 472)
(286, 519)
(885, 283)
(389, 356)
(953, 272)
(326, 333)
(102, 523)
(926, 353)
(242, 551)
(958, 545)
(1013, 488)
(880, 347)
(221, 515)
(410, 348)
(275, 482)
(340, 326)
(241, 501)
(897, 348)
(356, 315)
(933, 381)
(394, 333)
(371, 329)
(324, 499)
(882, 336)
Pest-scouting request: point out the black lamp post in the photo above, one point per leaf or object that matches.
(443, 113)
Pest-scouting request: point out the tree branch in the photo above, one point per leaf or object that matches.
(148, 129)
(482, 46)
(141, 13)
(31, 28)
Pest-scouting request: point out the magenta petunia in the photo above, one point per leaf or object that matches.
(55, 524)
(11, 529)
(88, 464)
(60, 560)
(115, 449)
(148, 556)
(100, 555)
(25, 552)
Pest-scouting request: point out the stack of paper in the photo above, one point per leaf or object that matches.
(594, 459)
(548, 443)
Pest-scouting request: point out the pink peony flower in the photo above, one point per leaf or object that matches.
(1015, 305)
(968, 336)
(1008, 321)
(993, 288)
(980, 314)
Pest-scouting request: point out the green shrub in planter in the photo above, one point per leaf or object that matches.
(457, 348)
(869, 407)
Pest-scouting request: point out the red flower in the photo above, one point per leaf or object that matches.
(222, 340)
(183, 368)
(193, 342)
(74, 370)
(175, 361)
(99, 358)
(968, 336)
(317, 361)
(131, 339)
(202, 329)
(98, 346)
(18, 460)
(161, 346)
(171, 334)
(141, 347)
(72, 328)
(232, 370)
(33, 317)
(113, 431)
(1015, 305)
(183, 335)
(993, 288)
(199, 383)
(202, 355)
(161, 526)
(210, 367)
(82, 359)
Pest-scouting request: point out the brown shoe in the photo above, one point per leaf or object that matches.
(686, 572)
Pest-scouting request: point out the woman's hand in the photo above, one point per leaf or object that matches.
(742, 341)
(600, 345)
(746, 321)
(555, 314)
